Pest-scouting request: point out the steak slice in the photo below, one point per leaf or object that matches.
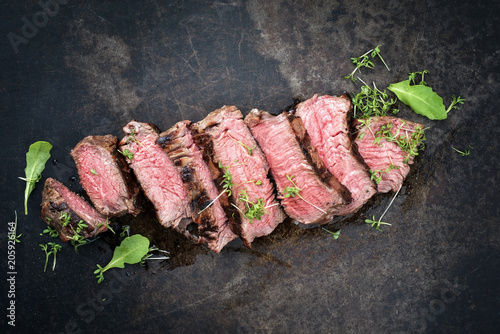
(326, 121)
(236, 153)
(207, 212)
(318, 198)
(376, 142)
(156, 173)
(105, 176)
(63, 210)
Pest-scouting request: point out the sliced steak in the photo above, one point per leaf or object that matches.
(317, 199)
(236, 153)
(326, 121)
(105, 176)
(376, 141)
(212, 224)
(64, 210)
(156, 173)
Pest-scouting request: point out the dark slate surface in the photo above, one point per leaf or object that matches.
(92, 66)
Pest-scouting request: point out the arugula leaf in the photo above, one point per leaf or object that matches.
(37, 156)
(131, 251)
(420, 98)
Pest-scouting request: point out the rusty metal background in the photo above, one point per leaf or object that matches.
(71, 69)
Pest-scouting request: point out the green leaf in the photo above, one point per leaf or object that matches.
(37, 156)
(420, 98)
(131, 251)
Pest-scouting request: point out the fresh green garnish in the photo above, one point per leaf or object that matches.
(422, 99)
(372, 102)
(106, 223)
(52, 232)
(464, 152)
(127, 153)
(364, 61)
(408, 143)
(295, 191)
(133, 138)
(227, 179)
(248, 148)
(252, 210)
(375, 222)
(335, 235)
(37, 156)
(378, 222)
(78, 239)
(132, 250)
(125, 230)
(54, 248)
(376, 174)
(65, 218)
(454, 101)
(94, 172)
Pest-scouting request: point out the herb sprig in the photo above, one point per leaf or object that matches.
(364, 61)
(126, 152)
(464, 152)
(371, 102)
(335, 235)
(295, 191)
(252, 210)
(54, 249)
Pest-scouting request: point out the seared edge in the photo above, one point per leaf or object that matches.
(207, 212)
(57, 200)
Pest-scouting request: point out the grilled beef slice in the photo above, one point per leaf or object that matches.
(105, 176)
(236, 151)
(318, 198)
(326, 121)
(156, 173)
(388, 163)
(212, 224)
(63, 210)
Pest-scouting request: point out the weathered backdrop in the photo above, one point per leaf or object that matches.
(71, 69)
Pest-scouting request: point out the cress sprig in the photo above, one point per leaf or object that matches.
(295, 191)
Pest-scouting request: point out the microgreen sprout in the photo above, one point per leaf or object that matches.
(408, 143)
(54, 248)
(133, 138)
(52, 232)
(364, 61)
(412, 76)
(125, 231)
(227, 179)
(252, 210)
(248, 148)
(94, 172)
(464, 152)
(372, 102)
(335, 235)
(295, 191)
(376, 174)
(454, 103)
(377, 223)
(127, 153)
(106, 223)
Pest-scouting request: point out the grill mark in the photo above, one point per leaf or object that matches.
(313, 158)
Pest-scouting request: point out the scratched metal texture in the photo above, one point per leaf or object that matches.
(90, 67)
